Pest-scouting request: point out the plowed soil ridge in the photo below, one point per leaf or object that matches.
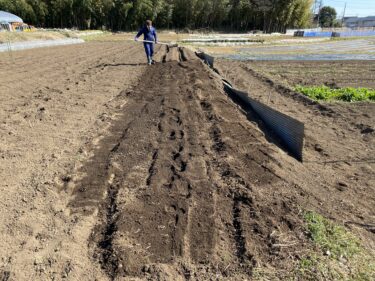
(174, 194)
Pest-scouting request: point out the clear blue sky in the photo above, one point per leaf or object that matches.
(361, 8)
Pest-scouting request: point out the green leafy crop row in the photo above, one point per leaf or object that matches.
(344, 94)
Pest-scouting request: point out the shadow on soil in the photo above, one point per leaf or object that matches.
(254, 117)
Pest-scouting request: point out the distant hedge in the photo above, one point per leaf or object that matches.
(266, 15)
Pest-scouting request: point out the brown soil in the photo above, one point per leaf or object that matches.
(117, 171)
(53, 102)
(339, 144)
(316, 73)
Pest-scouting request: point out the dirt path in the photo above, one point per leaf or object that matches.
(119, 171)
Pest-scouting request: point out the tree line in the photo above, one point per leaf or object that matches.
(233, 15)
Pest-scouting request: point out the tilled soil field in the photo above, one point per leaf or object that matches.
(316, 73)
(113, 170)
(339, 137)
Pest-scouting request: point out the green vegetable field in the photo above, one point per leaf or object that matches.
(325, 93)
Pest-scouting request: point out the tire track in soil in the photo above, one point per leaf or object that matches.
(234, 186)
(101, 172)
(171, 196)
(240, 167)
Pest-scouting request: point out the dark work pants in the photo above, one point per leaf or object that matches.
(149, 49)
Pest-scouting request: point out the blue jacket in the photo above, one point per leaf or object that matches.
(149, 34)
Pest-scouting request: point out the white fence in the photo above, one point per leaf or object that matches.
(38, 44)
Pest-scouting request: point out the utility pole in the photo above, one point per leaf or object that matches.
(314, 7)
(343, 15)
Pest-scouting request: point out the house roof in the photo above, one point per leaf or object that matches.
(8, 17)
(358, 19)
(368, 18)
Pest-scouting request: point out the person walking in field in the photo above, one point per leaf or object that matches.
(149, 33)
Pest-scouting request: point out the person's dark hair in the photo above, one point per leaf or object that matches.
(148, 22)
